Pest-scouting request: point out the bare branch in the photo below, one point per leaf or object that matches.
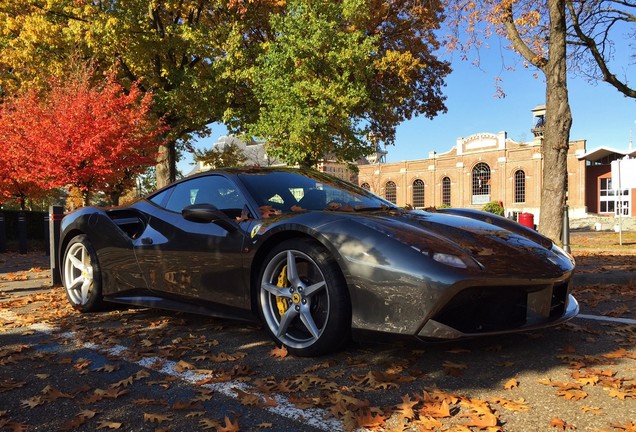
(598, 53)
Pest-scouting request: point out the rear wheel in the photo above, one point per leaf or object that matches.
(82, 277)
(303, 298)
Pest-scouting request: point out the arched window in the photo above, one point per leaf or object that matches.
(481, 184)
(418, 193)
(366, 186)
(390, 191)
(520, 186)
(446, 191)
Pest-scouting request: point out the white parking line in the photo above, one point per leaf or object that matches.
(608, 319)
(315, 417)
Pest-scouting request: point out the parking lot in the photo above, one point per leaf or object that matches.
(145, 370)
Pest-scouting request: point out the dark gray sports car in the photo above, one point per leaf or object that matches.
(315, 258)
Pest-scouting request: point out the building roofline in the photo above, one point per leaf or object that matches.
(602, 152)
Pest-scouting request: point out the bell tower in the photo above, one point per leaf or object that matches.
(538, 124)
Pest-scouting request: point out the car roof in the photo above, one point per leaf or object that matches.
(254, 170)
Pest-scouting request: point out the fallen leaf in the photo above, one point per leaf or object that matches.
(188, 405)
(619, 353)
(279, 352)
(435, 409)
(511, 383)
(482, 421)
(516, 405)
(105, 424)
(142, 374)
(405, 409)
(572, 394)
(616, 393)
(32, 402)
(123, 383)
(156, 418)
(183, 366)
(560, 424)
(229, 426)
(428, 423)
(10, 384)
(208, 424)
(246, 398)
(367, 419)
(628, 427)
(591, 409)
(107, 368)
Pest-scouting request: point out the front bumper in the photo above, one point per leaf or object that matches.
(478, 312)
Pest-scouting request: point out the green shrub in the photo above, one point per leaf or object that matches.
(494, 207)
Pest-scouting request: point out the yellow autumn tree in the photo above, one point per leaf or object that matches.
(343, 68)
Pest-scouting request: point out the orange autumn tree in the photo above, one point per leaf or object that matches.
(21, 176)
(95, 137)
(536, 30)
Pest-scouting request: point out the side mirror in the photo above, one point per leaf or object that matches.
(206, 213)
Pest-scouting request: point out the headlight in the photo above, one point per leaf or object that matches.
(449, 260)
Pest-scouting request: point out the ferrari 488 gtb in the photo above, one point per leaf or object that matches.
(315, 258)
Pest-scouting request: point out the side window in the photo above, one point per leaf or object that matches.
(215, 190)
(160, 198)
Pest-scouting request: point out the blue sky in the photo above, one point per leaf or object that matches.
(601, 115)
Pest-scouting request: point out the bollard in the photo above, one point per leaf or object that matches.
(56, 213)
(3, 234)
(47, 236)
(22, 233)
(566, 230)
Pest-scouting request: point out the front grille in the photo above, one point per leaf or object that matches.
(492, 309)
(486, 309)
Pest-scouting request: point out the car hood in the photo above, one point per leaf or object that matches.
(494, 244)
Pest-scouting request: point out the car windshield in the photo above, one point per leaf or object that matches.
(297, 191)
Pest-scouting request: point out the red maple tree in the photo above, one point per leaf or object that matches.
(20, 173)
(92, 134)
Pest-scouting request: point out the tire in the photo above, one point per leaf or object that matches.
(82, 276)
(303, 299)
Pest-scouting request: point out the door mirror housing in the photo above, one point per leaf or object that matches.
(206, 213)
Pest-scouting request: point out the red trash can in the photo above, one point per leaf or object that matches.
(527, 219)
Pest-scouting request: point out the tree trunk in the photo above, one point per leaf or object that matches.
(115, 195)
(166, 167)
(86, 197)
(22, 201)
(557, 127)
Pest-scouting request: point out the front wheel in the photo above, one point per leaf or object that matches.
(82, 277)
(303, 299)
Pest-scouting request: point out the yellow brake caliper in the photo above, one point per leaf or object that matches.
(281, 302)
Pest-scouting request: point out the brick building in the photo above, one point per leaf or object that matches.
(488, 167)
(600, 194)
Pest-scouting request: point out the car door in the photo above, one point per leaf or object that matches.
(194, 259)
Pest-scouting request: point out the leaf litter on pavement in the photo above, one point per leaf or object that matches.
(468, 386)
